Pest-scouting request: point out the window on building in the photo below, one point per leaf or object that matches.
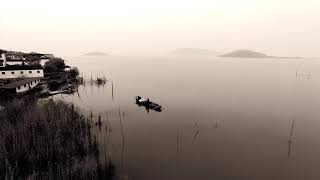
(12, 72)
(21, 72)
(30, 72)
(18, 87)
(38, 71)
(3, 73)
(25, 85)
(31, 83)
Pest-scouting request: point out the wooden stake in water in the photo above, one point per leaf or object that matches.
(108, 131)
(99, 122)
(291, 137)
(179, 142)
(112, 91)
(122, 133)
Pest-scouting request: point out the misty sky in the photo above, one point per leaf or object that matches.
(146, 27)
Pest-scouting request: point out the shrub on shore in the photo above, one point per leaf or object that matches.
(54, 65)
(50, 140)
(74, 73)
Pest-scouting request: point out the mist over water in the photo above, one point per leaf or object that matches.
(149, 27)
(223, 118)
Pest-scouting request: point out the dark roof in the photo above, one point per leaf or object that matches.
(2, 51)
(19, 83)
(21, 67)
(33, 56)
(21, 60)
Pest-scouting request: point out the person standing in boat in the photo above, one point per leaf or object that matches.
(148, 101)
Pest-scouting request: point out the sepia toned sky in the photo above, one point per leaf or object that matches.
(154, 27)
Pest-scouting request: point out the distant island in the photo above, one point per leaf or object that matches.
(96, 53)
(194, 52)
(246, 54)
(254, 54)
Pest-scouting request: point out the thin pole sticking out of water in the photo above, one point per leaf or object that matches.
(217, 124)
(108, 131)
(91, 84)
(105, 148)
(292, 128)
(91, 115)
(78, 92)
(112, 90)
(291, 137)
(122, 133)
(99, 122)
(179, 141)
(107, 125)
(197, 131)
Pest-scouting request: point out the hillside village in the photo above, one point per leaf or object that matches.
(21, 72)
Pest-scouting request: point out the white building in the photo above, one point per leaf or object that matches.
(3, 61)
(21, 86)
(19, 71)
(25, 72)
(17, 75)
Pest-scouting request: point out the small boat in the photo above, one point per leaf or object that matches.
(148, 104)
(62, 89)
(46, 93)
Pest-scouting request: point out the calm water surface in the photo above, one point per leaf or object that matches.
(222, 119)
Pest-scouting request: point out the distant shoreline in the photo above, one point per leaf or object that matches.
(96, 54)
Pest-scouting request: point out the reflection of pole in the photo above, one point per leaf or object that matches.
(289, 149)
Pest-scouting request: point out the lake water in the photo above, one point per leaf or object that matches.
(226, 119)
